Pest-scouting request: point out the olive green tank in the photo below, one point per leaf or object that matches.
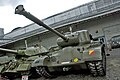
(75, 51)
(20, 63)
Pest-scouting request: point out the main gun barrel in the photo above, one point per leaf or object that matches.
(20, 10)
(8, 50)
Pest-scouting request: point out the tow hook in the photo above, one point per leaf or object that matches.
(66, 68)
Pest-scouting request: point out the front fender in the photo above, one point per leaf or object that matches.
(23, 67)
(97, 55)
(41, 61)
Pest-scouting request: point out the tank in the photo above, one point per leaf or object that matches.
(19, 64)
(74, 51)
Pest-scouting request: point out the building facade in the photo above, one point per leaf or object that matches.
(100, 18)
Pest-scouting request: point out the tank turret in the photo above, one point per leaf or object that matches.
(71, 39)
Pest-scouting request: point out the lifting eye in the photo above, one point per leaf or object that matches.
(72, 35)
(78, 49)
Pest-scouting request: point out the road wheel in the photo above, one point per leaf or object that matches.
(98, 68)
(43, 71)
